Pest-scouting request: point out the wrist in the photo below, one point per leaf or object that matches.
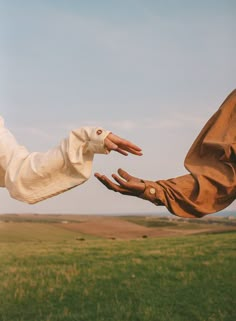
(152, 192)
(96, 140)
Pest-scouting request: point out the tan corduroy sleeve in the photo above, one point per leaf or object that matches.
(211, 161)
(32, 177)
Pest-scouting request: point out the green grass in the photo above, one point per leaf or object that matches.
(175, 279)
(28, 232)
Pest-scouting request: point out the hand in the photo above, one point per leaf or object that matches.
(127, 184)
(120, 145)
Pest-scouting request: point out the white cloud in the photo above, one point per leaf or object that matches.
(163, 122)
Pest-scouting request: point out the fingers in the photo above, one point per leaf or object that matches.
(134, 185)
(107, 182)
(112, 146)
(130, 148)
(124, 174)
(120, 180)
(127, 185)
(124, 145)
(112, 186)
(128, 177)
(109, 144)
(121, 151)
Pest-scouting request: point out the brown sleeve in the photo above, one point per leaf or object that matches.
(211, 161)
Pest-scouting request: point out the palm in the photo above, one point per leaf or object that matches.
(127, 184)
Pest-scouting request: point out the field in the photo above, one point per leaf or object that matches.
(64, 268)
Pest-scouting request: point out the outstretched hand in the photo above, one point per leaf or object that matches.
(120, 145)
(127, 184)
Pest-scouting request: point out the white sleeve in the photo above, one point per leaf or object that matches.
(32, 177)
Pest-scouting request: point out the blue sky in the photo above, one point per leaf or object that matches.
(151, 71)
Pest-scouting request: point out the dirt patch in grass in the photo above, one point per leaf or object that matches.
(45, 227)
(117, 228)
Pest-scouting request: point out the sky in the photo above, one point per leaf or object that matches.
(150, 71)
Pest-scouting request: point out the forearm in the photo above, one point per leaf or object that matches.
(211, 162)
(32, 177)
(189, 196)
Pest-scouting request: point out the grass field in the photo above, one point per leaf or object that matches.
(51, 274)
